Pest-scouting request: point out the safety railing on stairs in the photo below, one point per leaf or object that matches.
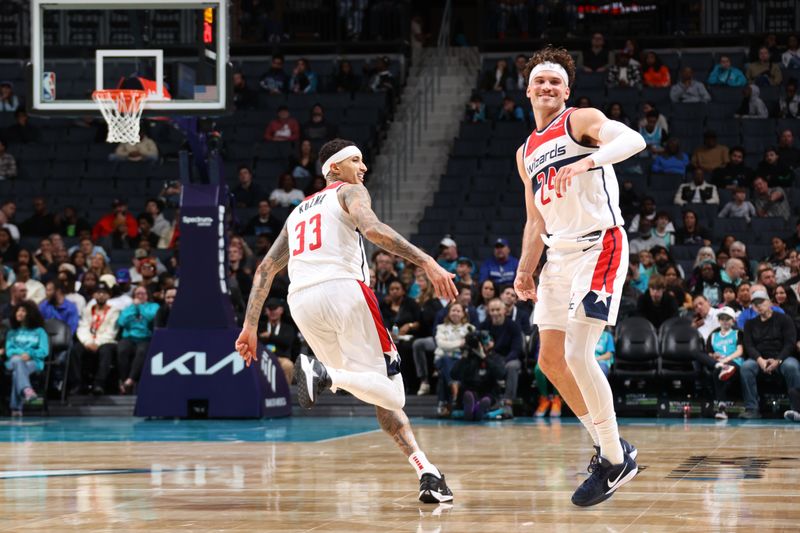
(413, 119)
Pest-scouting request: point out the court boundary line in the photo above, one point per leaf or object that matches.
(340, 437)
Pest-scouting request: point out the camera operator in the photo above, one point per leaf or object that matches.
(479, 374)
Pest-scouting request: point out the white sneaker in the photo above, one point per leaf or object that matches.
(424, 388)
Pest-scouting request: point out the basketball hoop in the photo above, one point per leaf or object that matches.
(122, 110)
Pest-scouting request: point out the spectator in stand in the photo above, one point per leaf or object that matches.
(286, 194)
(749, 311)
(318, 129)
(516, 313)
(767, 278)
(662, 231)
(711, 155)
(304, 163)
(264, 223)
(735, 174)
(507, 343)
(278, 335)
(518, 9)
(282, 128)
(688, 90)
(769, 342)
(791, 57)
(779, 260)
(692, 233)
(496, 79)
(425, 344)
(12, 228)
(662, 120)
(672, 160)
(655, 74)
(615, 111)
(465, 299)
(725, 347)
(9, 250)
(243, 96)
(645, 238)
(345, 79)
(769, 201)
(738, 207)
(789, 102)
(742, 301)
(697, 192)
(450, 341)
(726, 75)
(705, 318)
(628, 199)
(770, 42)
(793, 241)
(582, 103)
(764, 71)
(41, 223)
(70, 224)
(8, 100)
(654, 304)
(36, 291)
(385, 273)
(487, 292)
(648, 210)
(476, 110)
(773, 169)
(316, 184)
(248, 193)
(135, 324)
(145, 150)
(510, 111)
(448, 254)
(596, 58)
(752, 106)
(67, 279)
(518, 81)
(8, 165)
(97, 339)
(734, 272)
(709, 283)
(162, 317)
(27, 346)
(109, 222)
(400, 311)
(275, 81)
(161, 225)
(465, 270)
(786, 299)
(57, 306)
(502, 267)
(653, 134)
(303, 80)
(674, 286)
(624, 72)
(21, 132)
(786, 150)
(382, 79)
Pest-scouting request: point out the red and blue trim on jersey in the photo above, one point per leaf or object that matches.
(333, 185)
(387, 345)
(605, 273)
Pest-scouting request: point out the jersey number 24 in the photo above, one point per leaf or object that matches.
(315, 225)
(547, 183)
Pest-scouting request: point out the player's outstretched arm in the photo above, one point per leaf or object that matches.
(532, 245)
(356, 200)
(276, 260)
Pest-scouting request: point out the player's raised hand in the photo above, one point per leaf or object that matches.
(525, 287)
(247, 345)
(563, 179)
(441, 279)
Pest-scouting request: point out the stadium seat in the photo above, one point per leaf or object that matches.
(657, 95)
(669, 324)
(698, 61)
(636, 349)
(766, 228)
(689, 111)
(757, 127)
(725, 226)
(679, 346)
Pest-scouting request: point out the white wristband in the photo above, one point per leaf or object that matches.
(617, 143)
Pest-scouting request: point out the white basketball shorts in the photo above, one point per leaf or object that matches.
(341, 321)
(582, 279)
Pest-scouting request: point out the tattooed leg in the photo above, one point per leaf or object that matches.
(396, 424)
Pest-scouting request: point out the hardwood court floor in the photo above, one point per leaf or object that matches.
(511, 476)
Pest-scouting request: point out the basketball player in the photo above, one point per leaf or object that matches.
(572, 202)
(336, 311)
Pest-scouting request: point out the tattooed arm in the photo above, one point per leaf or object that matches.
(276, 260)
(356, 200)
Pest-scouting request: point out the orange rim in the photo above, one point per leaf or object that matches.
(132, 98)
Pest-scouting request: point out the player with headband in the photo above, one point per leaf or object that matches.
(334, 308)
(572, 203)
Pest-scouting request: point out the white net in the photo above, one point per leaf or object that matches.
(122, 110)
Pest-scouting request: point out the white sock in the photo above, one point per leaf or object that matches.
(371, 387)
(586, 420)
(582, 338)
(422, 465)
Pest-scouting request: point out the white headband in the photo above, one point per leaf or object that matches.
(341, 155)
(555, 67)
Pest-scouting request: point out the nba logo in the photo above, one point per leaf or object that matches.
(48, 86)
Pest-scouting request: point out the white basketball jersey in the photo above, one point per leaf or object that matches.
(323, 242)
(591, 203)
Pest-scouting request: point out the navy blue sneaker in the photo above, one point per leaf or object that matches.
(312, 379)
(604, 480)
(627, 447)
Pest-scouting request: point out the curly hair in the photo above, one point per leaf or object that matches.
(552, 54)
(33, 317)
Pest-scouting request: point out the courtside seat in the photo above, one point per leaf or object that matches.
(679, 346)
(637, 349)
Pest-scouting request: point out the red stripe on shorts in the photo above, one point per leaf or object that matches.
(372, 302)
(608, 262)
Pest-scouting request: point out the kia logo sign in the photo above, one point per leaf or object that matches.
(182, 365)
